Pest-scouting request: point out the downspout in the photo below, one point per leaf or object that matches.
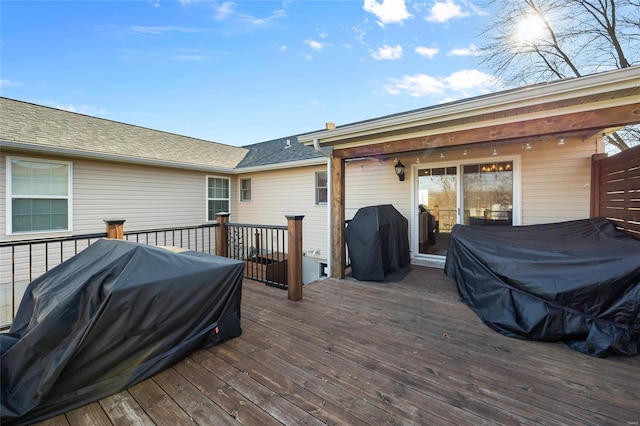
(324, 152)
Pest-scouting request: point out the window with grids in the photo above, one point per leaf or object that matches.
(321, 187)
(245, 189)
(40, 193)
(217, 196)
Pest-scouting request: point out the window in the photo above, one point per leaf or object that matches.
(217, 196)
(245, 189)
(321, 187)
(40, 194)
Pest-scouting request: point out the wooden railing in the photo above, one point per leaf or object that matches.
(615, 189)
(263, 249)
(272, 254)
(200, 238)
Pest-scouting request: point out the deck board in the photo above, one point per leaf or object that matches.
(350, 352)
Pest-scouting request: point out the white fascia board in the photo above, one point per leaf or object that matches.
(45, 149)
(409, 132)
(530, 95)
(319, 161)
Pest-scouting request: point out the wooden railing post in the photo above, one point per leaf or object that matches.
(115, 228)
(294, 258)
(222, 235)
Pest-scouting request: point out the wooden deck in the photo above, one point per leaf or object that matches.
(375, 353)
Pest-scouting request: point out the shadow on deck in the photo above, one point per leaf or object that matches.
(355, 352)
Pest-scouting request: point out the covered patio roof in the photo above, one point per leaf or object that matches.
(573, 108)
(583, 106)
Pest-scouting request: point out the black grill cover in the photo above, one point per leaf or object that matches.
(576, 281)
(113, 315)
(378, 242)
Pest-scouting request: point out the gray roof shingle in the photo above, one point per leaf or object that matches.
(275, 151)
(29, 123)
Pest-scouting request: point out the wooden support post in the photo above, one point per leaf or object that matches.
(222, 235)
(294, 258)
(595, 183)
(115, 228)
(338, 251)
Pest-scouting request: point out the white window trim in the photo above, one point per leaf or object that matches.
(517, 191)
(315, 188)
(250, 179)
(9, 197)
(207, 199)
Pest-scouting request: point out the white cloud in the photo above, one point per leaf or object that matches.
(323, 35)
(159, 30)
(460, 84)
(465, 51)
(388, 12)
(462, 81)
(81, 109)
(8, 83)
(252, 20)
(188, 58)
(223, 10)
(417, 85)
(443, 11)
(315, 45)
(388, 52)
(427, 52)
(360, 33)
(282, 48)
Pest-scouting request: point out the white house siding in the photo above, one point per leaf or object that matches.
(146, 197)
(277, 193)
(556, 181)
(370, 182)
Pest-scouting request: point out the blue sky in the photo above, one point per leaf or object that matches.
(244, 71)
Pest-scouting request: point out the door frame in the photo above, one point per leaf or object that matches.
(517, 193)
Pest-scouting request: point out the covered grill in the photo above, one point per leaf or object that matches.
(111, 316)
(378, 242)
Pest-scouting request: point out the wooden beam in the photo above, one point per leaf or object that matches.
(560, 124)
(338, 255)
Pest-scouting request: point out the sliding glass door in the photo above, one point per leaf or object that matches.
(487, 193)
(438, 207)
(478, 194)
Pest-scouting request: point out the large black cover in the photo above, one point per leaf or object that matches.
(378, 242)
(576, 281)
(112, 316)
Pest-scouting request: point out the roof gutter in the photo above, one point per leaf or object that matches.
(278, 166)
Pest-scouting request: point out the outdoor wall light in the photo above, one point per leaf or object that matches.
(561, 141)
(399, 167)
